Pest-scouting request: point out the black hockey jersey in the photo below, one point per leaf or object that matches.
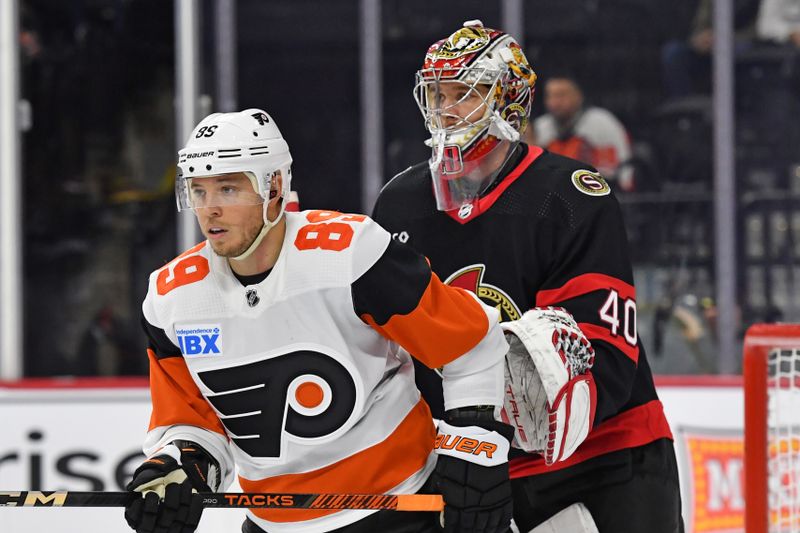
(550, 233)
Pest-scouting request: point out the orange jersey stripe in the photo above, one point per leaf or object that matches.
(176, 398)
(374, 470)
(447, 323)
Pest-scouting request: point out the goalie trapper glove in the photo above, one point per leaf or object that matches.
(472, 471)
(550, 394)
(168, 484)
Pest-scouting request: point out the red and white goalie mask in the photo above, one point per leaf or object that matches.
(475, 91)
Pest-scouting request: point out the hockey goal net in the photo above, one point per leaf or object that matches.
(772, 428)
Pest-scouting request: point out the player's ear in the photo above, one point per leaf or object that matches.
(275, 188)
(275, 199)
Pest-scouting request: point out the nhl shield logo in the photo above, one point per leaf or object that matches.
(465, 211)
(252, 297)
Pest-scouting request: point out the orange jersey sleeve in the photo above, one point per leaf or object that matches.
(174, 394)
(176, 398)
(402, 299)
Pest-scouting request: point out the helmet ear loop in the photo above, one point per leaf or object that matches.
(273, 193)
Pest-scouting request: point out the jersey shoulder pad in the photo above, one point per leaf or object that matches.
(409, 180)
(407, 197)
(567, 191)
(569, 177)
(333, 241)
(175, 281)
(370, 244)
(598, 117)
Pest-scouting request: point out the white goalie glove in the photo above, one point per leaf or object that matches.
(550, 394)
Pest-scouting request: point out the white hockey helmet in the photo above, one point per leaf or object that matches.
(247, 141)
(490, 64)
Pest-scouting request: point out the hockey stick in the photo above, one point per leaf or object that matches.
(234, 500)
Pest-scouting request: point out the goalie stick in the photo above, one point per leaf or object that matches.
(234, 500)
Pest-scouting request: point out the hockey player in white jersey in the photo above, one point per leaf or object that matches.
(274, 348)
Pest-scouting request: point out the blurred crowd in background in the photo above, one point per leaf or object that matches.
(624, 85)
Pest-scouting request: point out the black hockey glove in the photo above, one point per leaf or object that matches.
(472, 472)
(169, 483)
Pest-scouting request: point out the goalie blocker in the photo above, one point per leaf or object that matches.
(550, 394)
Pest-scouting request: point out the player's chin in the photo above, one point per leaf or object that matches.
(224, 249)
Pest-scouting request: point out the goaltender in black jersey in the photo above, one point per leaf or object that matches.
(539, 237)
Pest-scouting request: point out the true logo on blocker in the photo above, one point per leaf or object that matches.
(200, 339)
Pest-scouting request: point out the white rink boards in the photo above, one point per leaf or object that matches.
(88, 438)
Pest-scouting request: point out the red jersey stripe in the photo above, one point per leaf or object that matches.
(584, 284)
(593, 331)
(487, 201)
(638, 426)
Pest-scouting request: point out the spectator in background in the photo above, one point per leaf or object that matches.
(779, 21)
(686, 63)
(589, 134)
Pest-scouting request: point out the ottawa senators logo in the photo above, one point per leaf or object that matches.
(464, 41)
(471, 279)
(590, 183)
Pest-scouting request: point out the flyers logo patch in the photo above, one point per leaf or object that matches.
(298, 395)
(591, 183)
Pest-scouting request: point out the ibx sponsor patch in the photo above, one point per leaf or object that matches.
(199, 339)
(591, 183)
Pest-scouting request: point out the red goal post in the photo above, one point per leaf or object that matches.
(772, 428)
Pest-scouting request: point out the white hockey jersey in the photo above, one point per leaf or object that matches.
(298, 380)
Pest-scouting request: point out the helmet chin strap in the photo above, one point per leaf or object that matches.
(268, 225)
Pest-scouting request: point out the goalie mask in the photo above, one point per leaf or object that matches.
(246, 142)
(475, 91)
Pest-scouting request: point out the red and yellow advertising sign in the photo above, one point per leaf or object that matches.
(715, 471)
(715, 461)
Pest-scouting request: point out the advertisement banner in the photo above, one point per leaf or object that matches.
(78, 436)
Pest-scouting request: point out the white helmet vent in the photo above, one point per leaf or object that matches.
(229, 152)
(259, 150)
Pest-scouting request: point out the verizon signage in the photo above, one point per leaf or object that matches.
(77, 438)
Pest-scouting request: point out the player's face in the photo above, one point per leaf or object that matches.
(459, 103)
(562, 98)
(229, 227)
